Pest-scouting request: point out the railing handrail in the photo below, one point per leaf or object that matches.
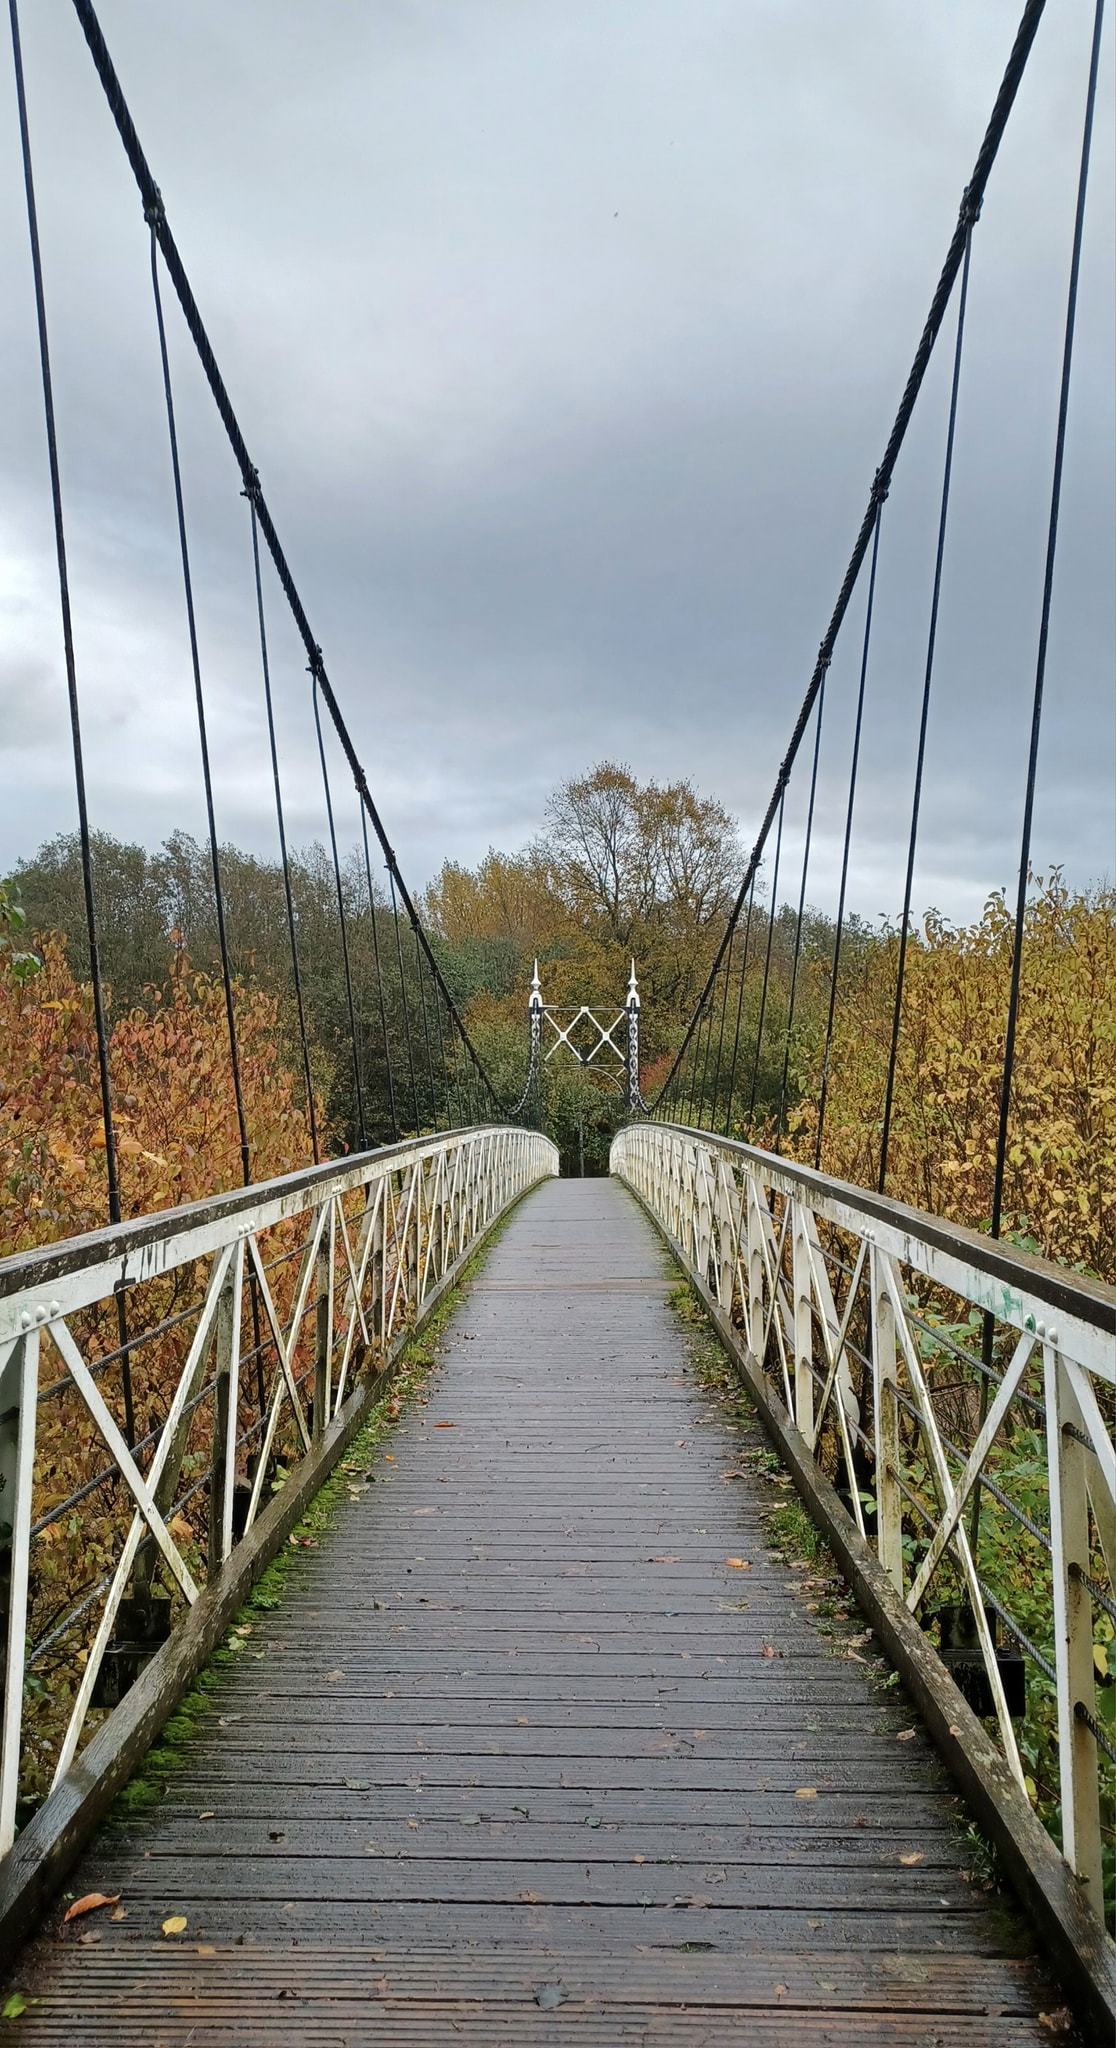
(1067, 1292)
(37, 1270)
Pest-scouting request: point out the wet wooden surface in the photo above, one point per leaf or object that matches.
(522, 1758)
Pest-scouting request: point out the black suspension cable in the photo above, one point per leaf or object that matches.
(1008, 1069)
(379, 973)
(693, 1107)
(341, 918)
(839, 932)
(1044, 632)
(740, 1006)
(199, 707)
(924, 715)
(288, 897)
(798, 922)
(100, 1027)
(974, 193)
(406, 1005)
(708, 1052)
(426, 1032)
(447, 1111)
(692, 1094)
(721, 1036)
(155, 211)
(771, 916)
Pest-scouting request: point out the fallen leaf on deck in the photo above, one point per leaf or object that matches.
(119, 1913)
(910, 1861)
(90, 1904)
(176, 1923)
(906, 1735)
(739, 1564)
(445, 1425)
(333, 1676)
(766, 1650)
(807, 1792)
(550, 1996)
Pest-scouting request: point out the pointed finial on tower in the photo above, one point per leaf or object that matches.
(633, 992)
(536, 990)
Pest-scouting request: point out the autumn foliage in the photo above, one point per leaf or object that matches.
(1060, 1183)
(173, 1104)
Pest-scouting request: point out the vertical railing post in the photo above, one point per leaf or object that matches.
(756, 1319)
(803, 1325)
(1073, 1626)
(726, 1201)
(704, 1213)
(226, 1405)
(323, 1326)
(19, 1391)
(885, 1419)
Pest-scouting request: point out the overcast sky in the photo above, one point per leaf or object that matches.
(566, 338)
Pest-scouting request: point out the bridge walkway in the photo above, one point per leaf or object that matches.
(524, 1757)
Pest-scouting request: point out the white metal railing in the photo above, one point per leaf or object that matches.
(914, 1357)
(248, 1320)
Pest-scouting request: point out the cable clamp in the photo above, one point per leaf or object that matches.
(316, 664)
(154, 212)
(251, 483)
(971, 204)
(880, 489)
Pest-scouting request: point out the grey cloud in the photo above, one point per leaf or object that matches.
(567, 341)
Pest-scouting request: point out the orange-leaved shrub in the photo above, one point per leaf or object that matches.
(1060, 1181)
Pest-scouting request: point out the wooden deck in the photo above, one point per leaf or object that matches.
(521, 1758)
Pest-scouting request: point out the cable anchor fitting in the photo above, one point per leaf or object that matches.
(251, 488)
(880, 489)
(154, 212)
(971, 204)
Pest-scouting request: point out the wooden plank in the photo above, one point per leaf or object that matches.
(490, 1740)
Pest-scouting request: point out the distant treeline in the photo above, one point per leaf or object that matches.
(625, 870)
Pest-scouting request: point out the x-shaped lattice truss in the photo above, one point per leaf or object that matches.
(380, 1236)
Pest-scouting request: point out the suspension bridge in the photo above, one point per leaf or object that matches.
(431, 1656)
